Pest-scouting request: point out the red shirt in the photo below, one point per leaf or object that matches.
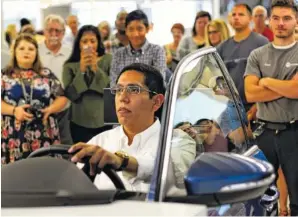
(267, 33)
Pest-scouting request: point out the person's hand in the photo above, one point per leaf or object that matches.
(295, 77)
(21, 115)
(88, 59)
(46, 113)
(99, 156)
(252, 112)
(263, 82)
(94, 62)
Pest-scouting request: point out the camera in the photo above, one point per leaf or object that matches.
(35, 110)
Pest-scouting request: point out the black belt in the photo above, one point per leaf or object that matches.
(280, 126)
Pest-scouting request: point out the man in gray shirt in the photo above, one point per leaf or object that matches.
(271, 80)
(235, 51)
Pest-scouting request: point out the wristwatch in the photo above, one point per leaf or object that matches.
(125, 159)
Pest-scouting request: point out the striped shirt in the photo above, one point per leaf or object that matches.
(150, 54)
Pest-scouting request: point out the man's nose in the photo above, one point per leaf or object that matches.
(123, 96)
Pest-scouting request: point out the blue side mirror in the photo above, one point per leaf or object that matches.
(224, 178)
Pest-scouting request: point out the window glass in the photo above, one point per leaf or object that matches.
(206, 118)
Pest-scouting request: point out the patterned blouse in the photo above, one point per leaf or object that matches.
(19, 139)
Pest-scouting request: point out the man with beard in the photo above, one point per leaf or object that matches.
(53, 54)
(119, 39)
(271, 81)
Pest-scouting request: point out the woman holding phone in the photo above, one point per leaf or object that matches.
(85, 75)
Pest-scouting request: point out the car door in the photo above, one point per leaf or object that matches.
(204, 113)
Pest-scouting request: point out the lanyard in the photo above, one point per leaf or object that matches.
(28, 97)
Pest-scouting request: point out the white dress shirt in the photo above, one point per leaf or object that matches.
(55, 61)
(143, 148)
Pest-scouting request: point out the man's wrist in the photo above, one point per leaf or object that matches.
(124, 158)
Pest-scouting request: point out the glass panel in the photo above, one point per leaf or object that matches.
(205, 116)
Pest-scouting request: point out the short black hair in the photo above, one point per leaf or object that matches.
(199, 15)
(24, 21)
(76, 50)
(248, 8)
(201, 120)
(137, 15)
(284, 3)
(152, 79)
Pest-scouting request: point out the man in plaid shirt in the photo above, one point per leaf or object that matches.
(139, 49)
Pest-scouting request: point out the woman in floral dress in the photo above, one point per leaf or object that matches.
(30, 96)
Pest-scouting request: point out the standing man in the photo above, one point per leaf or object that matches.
(271, 80)
(259, 15)
(119, 39)
(53, 54)
(139, 50)
(73, 24)
(235, 51)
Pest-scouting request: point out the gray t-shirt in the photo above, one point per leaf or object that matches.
(281, 64)
(235, 54)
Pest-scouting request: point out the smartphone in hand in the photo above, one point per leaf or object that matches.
(87, 49)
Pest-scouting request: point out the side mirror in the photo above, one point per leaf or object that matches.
(223, 178)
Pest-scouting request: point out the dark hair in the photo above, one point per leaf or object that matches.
(153, 78)
(24, 21)
(178, 26)
(137, 15)
(285, 3)
(199, 15)
(76, 50)
(249, 10)
(201, 120)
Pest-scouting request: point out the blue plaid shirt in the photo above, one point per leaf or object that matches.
(150, 54)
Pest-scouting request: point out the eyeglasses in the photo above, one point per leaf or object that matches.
(58, 31)
(132, 90)
(212, 32)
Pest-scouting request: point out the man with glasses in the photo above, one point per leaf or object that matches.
(130, 148)
(53, 54)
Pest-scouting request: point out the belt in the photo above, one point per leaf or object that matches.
(280, 126)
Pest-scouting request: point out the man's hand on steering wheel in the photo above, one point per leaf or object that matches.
(99, 156)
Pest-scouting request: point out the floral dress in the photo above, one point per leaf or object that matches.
(19, 139)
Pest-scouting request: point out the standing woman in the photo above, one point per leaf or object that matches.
(85, 74)
(216, 32)
(196, 41)
(30, 96)
(171, 49)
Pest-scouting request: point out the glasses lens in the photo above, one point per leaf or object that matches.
(133, 89)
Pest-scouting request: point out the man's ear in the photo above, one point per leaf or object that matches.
(157, 101)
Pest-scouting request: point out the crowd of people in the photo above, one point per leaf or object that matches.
(52, 85)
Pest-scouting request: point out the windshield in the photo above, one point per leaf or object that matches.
(206, 117)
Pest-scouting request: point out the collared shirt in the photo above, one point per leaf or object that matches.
(53, 61)
(143, 148)
(150, 54)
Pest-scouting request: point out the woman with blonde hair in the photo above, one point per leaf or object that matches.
(216, 32)
(11, 34)
(104, 29)
(30, 96)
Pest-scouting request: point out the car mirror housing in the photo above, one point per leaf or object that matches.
(224, 178)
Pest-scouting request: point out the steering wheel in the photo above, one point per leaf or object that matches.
(63, 150)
